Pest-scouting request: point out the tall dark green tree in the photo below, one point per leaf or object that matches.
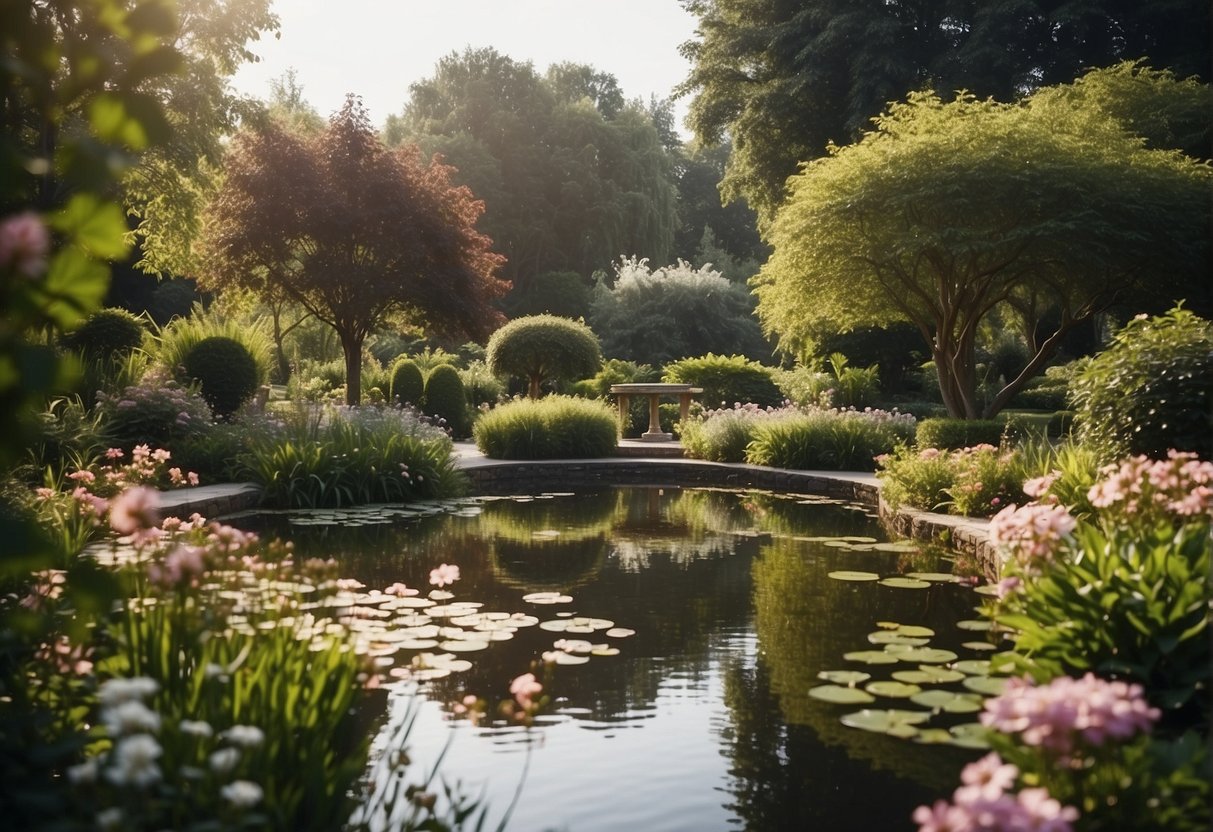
(784, 78)
(570, 172)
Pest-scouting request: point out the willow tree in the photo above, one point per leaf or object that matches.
(947, 211)
(352, 231)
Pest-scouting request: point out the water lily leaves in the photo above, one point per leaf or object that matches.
(844, 677)
(841, 695)
(545, 534)
(950, 702)
(547, 598)
(934, 736)
(604, 650)
(912, 630)
(978, 625)
(893, 690)
(987, 685)
(895, 637)
(441, 595)
(926, 655)
(850, 575)
(870, 657)
(619, 632)
(934, 577)
(576, 624)
(969, 735)
(902, 582)
(561, 657)
(904, 546)
(573, 645)
(417, 643)
(973, 667)
(928, 675)
(896, 723)
(467, 645)
(979, 646)
(986, 589)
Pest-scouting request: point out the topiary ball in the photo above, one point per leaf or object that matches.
(107, 333)
(407, 383)
(226, 373)
(445, 398)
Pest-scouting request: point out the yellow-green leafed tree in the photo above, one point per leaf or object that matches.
(946, 211)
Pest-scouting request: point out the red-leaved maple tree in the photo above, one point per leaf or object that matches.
(353, 231)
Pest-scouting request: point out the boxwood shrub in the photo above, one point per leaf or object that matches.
(726, 380)
(555, 427)
(948, 433)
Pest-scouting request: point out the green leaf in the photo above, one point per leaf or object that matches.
(111, 122)
(96, 225)
(76, 284)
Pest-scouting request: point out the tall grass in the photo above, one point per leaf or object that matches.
(183, 334)
(550, 428)
(834, 440)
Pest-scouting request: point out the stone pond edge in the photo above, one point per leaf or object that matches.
(965, 535)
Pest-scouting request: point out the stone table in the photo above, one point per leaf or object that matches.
(655, 391)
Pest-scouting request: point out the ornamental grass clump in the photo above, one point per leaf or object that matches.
(833, 440)
(976, 481)
(555, 427)
(353, 456)
(723, 435)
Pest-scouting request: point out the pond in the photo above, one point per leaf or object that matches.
(704, 719)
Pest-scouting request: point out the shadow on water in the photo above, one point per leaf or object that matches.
(703, 720)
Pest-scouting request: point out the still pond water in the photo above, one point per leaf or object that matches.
(703, 721)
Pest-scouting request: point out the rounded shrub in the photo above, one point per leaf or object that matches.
(446, 399)
(555, 427)
(108, 333)
(543, 348)
(947, 433)
(1151, 390)
(726, 380)
(226, 373)
(407, 385)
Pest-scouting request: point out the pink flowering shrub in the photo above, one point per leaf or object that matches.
(985, 801)
(156, 411)
(975, 481)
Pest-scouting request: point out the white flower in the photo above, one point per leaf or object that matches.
(224, 760)
(135, 761)
(132, 717)
(86, 772)
(243, 794)
(116, 691)
(245, 736)
(110, 818)
(196, 728)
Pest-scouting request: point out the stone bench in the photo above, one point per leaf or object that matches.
(655, 391)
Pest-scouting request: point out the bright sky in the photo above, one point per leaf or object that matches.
(376, 48)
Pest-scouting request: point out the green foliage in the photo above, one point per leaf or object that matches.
(946, 433)
(987, 480)
(225, 371)
(660, 315)
(352, 457)
(446, 400)
(554, 427)
(726, 380)
(106, 333)
(408, 385)
(563, 293)
(155, 412)
(827, 440)
(918, 205)
(1151, 389)
(617, 371)
(480, 385)
(181, 336)
(719, 436)
(918, 479)
(544, 348)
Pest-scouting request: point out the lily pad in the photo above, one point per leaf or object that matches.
(604, 650)
(973, 667)
(619, 632)
(935, 577)
(894, 722)
(979, 646)
(893, 690)
(926, 655)
(841, 695)
(898, 546)
(844, 677)
(463, 645)
(870, 657)
(977, 625)
(895, 637)
(950, 702)
(850, 575)
(928, 675)
(901, 582)
(561, 657)
(913, 630)
(934, 736)
(986, 685)
(969, 735)
(547, 598)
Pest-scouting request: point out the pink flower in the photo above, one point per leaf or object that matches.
(942, 817)
(191, 478)
(444, 574)
(1038, 487)
(1032, 532)
(1043, 813)
(24, 244)
(399, 589)
(181, 565)
(114, 453)
(928, 453)
(82, 476)
(989, 777)
(135, 509)
(525, 688)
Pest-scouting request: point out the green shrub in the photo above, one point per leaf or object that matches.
(155, 412)
(544, 348)
(554, 427)
(407, 385)
(919, 479)
(1151, 390)
(445, 399)
(804, 386)
(719, 436)
(225, 371)
(726, 380)
(948, 433)
(480, 386)
(1045, 396)
(107, 333)
(617, 371)
(987, 481)
(180, 337)
(352, 456)
(834, 440)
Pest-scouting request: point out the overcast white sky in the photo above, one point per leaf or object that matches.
(376, 48)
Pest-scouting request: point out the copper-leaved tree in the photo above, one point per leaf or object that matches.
(353, 231)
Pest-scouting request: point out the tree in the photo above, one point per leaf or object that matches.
(948, 211)
(544, 348)
(353, 232)
(660, 315)
(784, 78)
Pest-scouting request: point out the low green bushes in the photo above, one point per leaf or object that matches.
(106, 334)
(947, 433)
(550, 428)
(154, 412)
(445, 399)
(408, 385)
(225, 371)
(726, 380)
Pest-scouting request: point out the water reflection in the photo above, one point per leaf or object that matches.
(702, 721)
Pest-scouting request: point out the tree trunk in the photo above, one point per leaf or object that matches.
(284, 367)
(533, 390)
(954, 364)
(1046, 351)
(351, 345)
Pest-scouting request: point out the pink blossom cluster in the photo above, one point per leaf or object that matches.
(1032, 532)
(1057, 715)
(1180, 485)
(24, 244)
(525, 688)
(983, 804)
